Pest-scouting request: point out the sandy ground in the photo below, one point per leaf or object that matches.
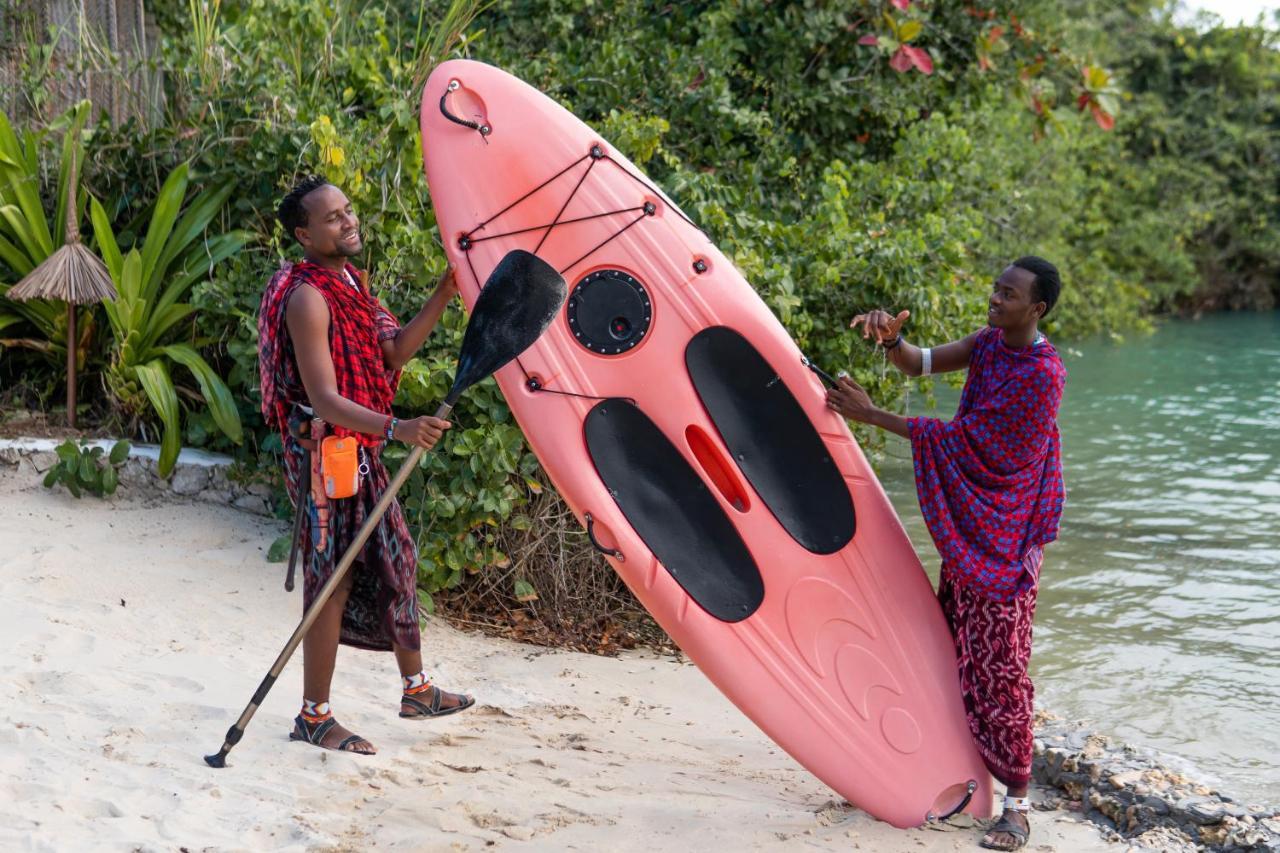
(133, 634)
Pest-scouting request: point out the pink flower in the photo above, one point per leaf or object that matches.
(900, 4)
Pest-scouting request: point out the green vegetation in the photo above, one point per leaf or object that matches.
(845, 155)
(87, 469)
(150, 281)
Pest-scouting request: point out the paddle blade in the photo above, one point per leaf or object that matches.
(521, 298)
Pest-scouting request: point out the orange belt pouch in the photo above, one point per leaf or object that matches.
(340, 466)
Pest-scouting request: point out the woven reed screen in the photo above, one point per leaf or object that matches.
(56, 52)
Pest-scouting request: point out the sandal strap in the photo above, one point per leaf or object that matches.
(315, 732)
(347, 742)
(418, 705)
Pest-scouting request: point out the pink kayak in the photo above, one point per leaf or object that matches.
(681, 423)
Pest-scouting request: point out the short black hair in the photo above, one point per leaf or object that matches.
(1047, 284)
(291, 213)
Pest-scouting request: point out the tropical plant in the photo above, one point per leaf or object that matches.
(28, 237)
(152, 282)
(83, 468)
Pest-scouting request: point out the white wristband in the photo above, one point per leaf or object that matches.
(926, 361)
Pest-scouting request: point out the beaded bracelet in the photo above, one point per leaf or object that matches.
(888, 346)
(389, 427)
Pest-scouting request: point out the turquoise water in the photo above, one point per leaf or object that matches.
(1159, 611)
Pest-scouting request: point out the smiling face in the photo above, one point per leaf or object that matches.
(332, 229)
(1013, 304)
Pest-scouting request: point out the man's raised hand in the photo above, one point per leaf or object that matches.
(880, 323)
(448, 283)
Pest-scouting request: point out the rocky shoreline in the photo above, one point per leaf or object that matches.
(1124, 790)
(1135, 798)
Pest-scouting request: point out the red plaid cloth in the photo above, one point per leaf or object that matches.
(358, 323)
(990, 480)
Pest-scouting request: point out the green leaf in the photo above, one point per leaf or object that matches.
(162, 320)
(51, 477)
(279, 550)
(15, 257)
(197, 217)
(221, 404)
(108, 248)
(167, 205)
(20, 228)
(110, 479)
(909, 31)
(130, 289)
(120, 452)
(87, 470)
(198, 262)
(524, 591)
(68, 452)
(24, 184)
(72, 151)
(155, 381)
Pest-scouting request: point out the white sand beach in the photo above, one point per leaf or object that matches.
(133, 632)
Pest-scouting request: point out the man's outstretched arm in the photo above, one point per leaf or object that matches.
(908, 357)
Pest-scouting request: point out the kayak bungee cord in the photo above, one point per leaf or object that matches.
(595, 155)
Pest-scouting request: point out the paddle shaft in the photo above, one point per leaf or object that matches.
(236, 731)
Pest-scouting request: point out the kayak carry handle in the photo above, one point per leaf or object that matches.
(595, 543)
(483, 129)
(968, 795)
(822, 374)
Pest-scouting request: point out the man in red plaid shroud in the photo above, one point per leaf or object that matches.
(327, 343)
(990, 488)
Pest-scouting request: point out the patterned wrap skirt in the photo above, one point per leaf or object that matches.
(993, 650)
(382, 609)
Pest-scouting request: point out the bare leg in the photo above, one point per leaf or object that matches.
(320, 654)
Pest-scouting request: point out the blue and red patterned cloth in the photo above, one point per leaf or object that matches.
(989, 480)
(358, 323)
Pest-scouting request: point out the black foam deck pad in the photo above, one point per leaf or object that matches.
(772, 440)
(673, 510)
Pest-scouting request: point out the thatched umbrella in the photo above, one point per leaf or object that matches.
(73, 274)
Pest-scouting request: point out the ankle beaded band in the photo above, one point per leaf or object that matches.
(315, 712)
(416, 683)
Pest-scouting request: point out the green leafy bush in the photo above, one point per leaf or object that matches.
(87, 469)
